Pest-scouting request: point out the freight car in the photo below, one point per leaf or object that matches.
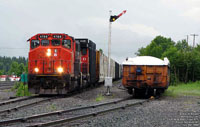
(145, 75)
(59, 64)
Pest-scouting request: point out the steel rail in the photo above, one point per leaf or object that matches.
(17, 100)
(57, 122)
(6, 85)
(25, 105)
(24, 119)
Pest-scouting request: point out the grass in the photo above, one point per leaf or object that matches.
(99, 98)
(189, 89)
(22, 90)
(52, 107)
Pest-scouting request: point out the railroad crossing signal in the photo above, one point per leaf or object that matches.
(115, 17)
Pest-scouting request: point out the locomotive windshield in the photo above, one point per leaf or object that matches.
(55, 42)
(45, 42)
(66, 43)
(35, 43)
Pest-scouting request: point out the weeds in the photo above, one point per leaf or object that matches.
(99, 98)
(22, 90)
(52, 107)
(191, 89)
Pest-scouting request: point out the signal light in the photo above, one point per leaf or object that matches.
(113, 18)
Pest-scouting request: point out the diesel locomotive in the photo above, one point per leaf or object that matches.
(59, 63)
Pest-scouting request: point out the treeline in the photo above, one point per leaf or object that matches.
(184, 59)
(13, 65)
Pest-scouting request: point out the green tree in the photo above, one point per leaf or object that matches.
(1, 72)
(157, 47)
(14, 68)
(21, 69)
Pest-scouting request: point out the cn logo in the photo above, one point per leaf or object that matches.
(84, 59)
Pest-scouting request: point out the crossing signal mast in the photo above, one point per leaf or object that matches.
(108, 79)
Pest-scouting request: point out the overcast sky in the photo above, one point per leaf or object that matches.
(143, 21)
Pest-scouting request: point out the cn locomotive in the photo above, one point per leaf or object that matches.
(145, 75)
(59, 64)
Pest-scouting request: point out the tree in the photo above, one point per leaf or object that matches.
(14, 69)
(157, 47)
(21, 69)
(1, 72)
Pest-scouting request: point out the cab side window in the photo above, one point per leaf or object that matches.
(35, 44)
(66, 43)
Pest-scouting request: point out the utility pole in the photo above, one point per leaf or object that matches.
(194, 35)
(187, 38)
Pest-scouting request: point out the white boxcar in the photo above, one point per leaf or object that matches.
(112, 68)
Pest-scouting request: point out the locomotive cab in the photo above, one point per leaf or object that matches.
(53, 64)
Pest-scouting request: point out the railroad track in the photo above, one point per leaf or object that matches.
(6, 86)
(16, 108)
(63, 117)
(17, 100)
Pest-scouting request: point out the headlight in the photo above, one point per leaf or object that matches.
(60, 69)
(36, 70)
(48, 52)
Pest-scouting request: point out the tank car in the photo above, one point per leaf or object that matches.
(145, 75)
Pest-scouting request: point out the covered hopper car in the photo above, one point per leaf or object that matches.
(145, 75)
(59, 64)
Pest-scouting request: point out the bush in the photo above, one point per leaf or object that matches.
(16, 86)
(22, 90)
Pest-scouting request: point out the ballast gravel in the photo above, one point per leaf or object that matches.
(85, 98)
(166, 112)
